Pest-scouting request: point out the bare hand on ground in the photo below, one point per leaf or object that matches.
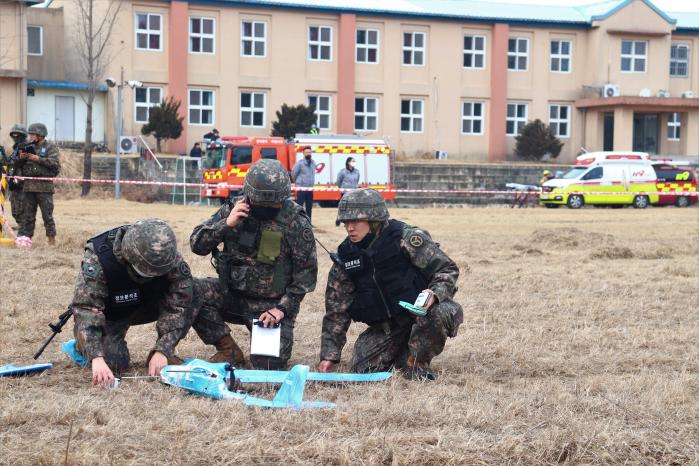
(326, 366)
(156, 363)
(101, 373)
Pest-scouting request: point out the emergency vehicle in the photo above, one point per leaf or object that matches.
(228, 160)
(676, 177)
(602, 174)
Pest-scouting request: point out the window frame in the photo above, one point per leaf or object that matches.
(516, 119)
(320, 43)
(366, 46)
(201, 107)
(633, 56)
(253, 39)
(366, 114)
(678, 61)
(517, 54)
(413, 117)
(472, 117)
(473, 51)
(252, 109)
(202, 35)
(148, 32)
(147, 104)
(328, 112)
(41, 40)
(561, 56)
(412, 48)
(558, 120)
(674, 126)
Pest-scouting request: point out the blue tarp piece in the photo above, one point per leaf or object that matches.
(11, 369)
(72, 85)
(70, 348)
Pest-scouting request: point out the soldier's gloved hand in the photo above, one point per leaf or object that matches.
(239, 212)
(101, 373)
(326, 366)
(430, 301)
(156, 363)
(271, 317)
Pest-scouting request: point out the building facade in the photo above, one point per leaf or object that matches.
(461, 77)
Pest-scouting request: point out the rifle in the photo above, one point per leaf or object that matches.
(14, 163)
(56, 329)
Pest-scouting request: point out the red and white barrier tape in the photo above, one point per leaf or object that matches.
(335, 189)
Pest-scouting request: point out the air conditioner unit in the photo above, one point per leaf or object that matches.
(688, 95)
(128, 144)
(663, 93)
(440, 154)
(611, 90)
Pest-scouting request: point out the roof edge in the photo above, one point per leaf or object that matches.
(623, 5)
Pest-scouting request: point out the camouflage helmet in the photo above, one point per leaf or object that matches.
(150, 247)
(267, 182)
(362, 204)
(18, 131)
(38, 128)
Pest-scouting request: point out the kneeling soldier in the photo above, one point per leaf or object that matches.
(131, 275)
(383, 262)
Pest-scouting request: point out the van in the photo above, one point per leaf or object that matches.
(676, 184)
(597, 184)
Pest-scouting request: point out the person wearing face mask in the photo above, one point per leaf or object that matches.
(381, 263)
(267, 265)
(348, 178)
(304, 175)
(131, 275)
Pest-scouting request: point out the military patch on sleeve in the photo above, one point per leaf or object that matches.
(307, 235)
(89, 271)
(185, 270)
(416, 240)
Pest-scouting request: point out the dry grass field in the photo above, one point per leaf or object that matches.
(579, 346)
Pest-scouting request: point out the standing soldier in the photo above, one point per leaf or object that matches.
(267, 266)
(14, 168)
(39, 193)
(383, 262)
(304, 175)
(131, 275)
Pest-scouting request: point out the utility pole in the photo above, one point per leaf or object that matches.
(120, 130)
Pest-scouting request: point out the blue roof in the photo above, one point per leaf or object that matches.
(472, 10)
(75, 86)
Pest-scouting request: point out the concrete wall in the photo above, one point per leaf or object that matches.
(50, 65)
(42, 108)
(13, 65)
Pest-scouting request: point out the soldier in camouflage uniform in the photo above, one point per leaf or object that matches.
(380, 263)
(44, 163)
(131, 275)
(267, 266)
(19, 136)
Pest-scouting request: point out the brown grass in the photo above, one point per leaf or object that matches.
(579, 345)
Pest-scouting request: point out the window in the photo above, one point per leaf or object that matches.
(241, 154)
(146, 98)
(252, 109)
(323, 110)
(517, 53)
(367, 46)
(268, 152)
(411, 115)
(414, 48)
(679, 61)
(594, 174)
(35, 42)
(474, 52)
(516, 118)
(472, 118)
(253, 42)
(366, 113)
(559, 120)
(673, 126)
(201, 35)
(320, 42)
(148, 31)
(201, 107)
(560, 56)
(633, 56)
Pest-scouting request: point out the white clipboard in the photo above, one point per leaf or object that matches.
(265, 341)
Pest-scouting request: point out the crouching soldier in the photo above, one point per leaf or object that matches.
(267, 265)
(383, 262)
(131, 275)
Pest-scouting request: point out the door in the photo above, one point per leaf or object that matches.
(645, 132)
(608, 131)
(65, 118)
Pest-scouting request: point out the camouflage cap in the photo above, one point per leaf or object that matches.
(362, 204)
(267, 182)
(38, 128)
(18, 130)
(150, 247)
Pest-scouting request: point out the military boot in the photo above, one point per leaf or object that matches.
(228, 351)
(414, 370)
(52, 240)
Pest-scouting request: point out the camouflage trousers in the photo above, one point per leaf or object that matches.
(15, 198)
(382, 347)
(217, 308)
(30, 202)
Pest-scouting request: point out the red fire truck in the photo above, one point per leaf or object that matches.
(229, 159)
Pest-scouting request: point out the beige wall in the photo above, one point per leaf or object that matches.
(13, 66)
(50, 65)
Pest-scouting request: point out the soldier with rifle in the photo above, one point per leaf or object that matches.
(12, 166)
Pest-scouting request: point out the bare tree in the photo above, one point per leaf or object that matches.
(94, 30)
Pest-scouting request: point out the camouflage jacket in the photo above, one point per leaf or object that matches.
(91, 291)
(286, 278)
(47, 166)
(423, 253)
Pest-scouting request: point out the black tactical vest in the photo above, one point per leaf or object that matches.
(382, 276)
(125, 295)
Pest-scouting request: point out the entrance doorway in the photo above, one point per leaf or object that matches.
(608, 134)
(65, 118)
(646, 132)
